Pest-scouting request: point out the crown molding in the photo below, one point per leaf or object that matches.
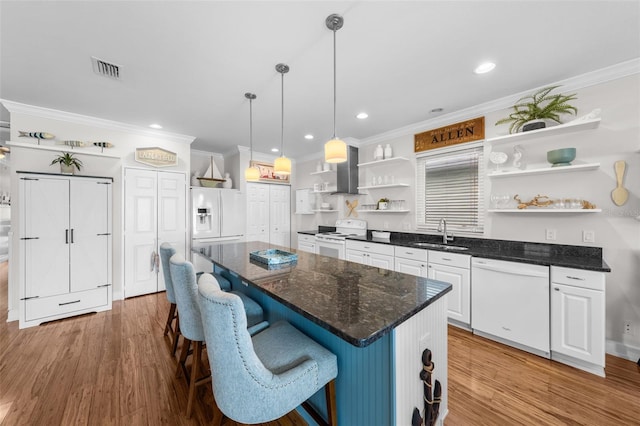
(614, 72)
(200, 153)
(70, 117)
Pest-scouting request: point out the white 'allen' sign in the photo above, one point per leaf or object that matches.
(156, 157)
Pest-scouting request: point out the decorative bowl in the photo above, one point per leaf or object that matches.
(561, 157)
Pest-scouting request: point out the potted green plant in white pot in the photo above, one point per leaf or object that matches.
(68, 163)
(530, 112)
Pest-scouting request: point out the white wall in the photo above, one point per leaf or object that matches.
(616, 229)
(66, 126)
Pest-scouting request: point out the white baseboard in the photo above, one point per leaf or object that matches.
(118, 295)
(13, 315)
(622, 350)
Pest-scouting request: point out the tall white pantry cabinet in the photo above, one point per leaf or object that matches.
(65, 233)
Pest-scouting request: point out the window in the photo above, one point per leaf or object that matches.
(450, 186)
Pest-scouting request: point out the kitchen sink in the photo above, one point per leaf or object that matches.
(441, 246)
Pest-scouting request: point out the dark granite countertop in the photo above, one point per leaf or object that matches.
(578, 257)
(357, 303)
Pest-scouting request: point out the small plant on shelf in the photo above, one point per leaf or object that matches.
(537, 107)
(383, 203)
(68, 163)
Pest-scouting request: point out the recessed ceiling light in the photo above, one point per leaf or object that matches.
(274, 150)
(308, 137)
(484, 67)
(362, 115)
(155, 126)
(437, 110)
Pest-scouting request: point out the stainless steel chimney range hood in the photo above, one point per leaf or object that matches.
(347, 173)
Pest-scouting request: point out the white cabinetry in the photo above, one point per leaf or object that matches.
(307, 243)
(304, 201)
(454, 269)
(411, 261)
(269, 213)
(155, 212)
(378, 255)
(510, 303)
(65, 242)
(578, 318)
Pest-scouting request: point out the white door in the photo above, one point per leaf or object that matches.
(280, 215)
(411, 267)
(577, 323)
(459, 299)
(383, 261)
(257, 212)
(46, 236)
(155, 212)
(356, 256)
(172, 216)
(90, 230)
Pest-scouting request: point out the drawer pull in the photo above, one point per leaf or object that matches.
(556, 289)
(68, 303)
(575, 278)
(447, 259)
(408, 252)
(32, 297)
(104, 285)
(505, 328)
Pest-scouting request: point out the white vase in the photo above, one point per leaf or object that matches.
(228, 183)
(378, 154)
(388, 152)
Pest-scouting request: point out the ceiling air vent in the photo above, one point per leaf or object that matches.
(105, 68)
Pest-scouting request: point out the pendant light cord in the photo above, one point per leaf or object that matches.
(251, 130)
(282, 118)
(334, 83)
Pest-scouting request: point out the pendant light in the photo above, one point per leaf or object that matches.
(282, 165)
(251, 174)
(335, 151)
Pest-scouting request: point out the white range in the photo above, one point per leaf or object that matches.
(333, 243)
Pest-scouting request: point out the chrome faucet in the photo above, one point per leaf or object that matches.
(442, 227)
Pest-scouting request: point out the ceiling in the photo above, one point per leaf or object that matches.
(186, 65)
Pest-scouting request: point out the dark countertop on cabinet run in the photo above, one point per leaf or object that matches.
(357, 303)
(578, 257)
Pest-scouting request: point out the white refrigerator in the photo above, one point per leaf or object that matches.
(217, 215)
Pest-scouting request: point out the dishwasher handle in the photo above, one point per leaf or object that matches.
(511, 270)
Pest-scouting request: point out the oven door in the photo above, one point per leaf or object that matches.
(331, 248)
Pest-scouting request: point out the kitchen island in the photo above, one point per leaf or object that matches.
(377, 322)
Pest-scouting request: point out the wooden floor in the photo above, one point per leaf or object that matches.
(114, 368)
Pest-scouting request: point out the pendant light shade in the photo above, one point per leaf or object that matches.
(251, 174)
(335, 151)
(282, 165)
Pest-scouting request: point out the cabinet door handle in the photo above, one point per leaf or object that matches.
(71, 235)
(556, 289)
(430, 266)
(575, 278)
(66, 236)
(68, 303)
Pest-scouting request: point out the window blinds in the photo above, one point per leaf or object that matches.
(450, 186)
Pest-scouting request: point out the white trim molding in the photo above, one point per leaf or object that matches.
(622, 350)
(70, 117)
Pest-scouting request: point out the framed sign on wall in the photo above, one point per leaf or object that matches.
(267, 174)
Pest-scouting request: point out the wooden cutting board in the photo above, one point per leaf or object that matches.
(620, 194)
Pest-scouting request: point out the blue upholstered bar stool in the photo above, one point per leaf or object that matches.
(172, 326)
(186, 292)
(261, 378)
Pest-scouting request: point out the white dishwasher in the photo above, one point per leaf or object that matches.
(510, 303)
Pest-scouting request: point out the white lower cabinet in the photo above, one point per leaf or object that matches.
(578, 318)
(378, 255)
(307, 243)
(411, 261)
(65, 246)
(454, 269)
